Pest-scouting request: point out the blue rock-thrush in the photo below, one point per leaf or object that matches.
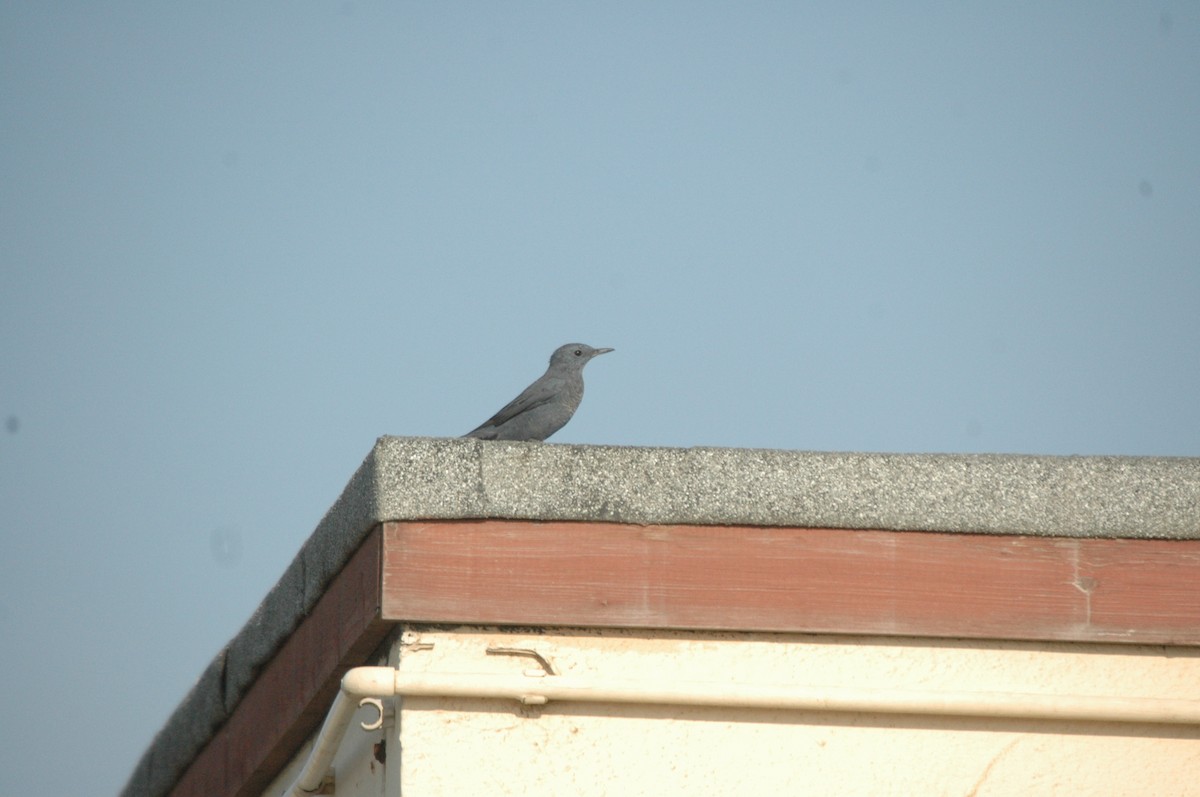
(545, 406)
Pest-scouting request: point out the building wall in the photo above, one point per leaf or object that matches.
(467, 746)
(1085, 551)
(438, 745)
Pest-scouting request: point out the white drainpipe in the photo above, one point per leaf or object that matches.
(381, 682)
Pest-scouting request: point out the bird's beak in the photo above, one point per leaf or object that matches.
(603, 351)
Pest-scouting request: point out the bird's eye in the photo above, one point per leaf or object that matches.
(578, 352)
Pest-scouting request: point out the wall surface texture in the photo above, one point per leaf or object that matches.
(499, 747)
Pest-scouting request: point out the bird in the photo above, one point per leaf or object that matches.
(545, 406)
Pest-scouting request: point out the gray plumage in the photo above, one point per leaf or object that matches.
(545, 406)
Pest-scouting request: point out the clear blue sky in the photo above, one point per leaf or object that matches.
(241, 241)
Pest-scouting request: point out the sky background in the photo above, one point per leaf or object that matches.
(238, 242)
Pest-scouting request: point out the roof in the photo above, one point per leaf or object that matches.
(405, 479)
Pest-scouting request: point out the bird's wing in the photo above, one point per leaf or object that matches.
(540, 392)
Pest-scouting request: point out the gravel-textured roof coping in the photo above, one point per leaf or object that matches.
(407, 478)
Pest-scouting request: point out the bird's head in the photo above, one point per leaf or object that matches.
(574, 354)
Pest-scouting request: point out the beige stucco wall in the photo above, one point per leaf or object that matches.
(489, 747)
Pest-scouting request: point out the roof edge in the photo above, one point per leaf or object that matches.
(1062, 496)
(418, 478)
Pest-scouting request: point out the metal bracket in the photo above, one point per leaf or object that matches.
(328, 786)
(377, 704)
(547, 667)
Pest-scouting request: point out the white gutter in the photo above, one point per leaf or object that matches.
(379, 682)
(358, 684)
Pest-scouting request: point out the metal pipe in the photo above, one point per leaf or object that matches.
(1017, 705)
(358, 683)
(530, 690)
